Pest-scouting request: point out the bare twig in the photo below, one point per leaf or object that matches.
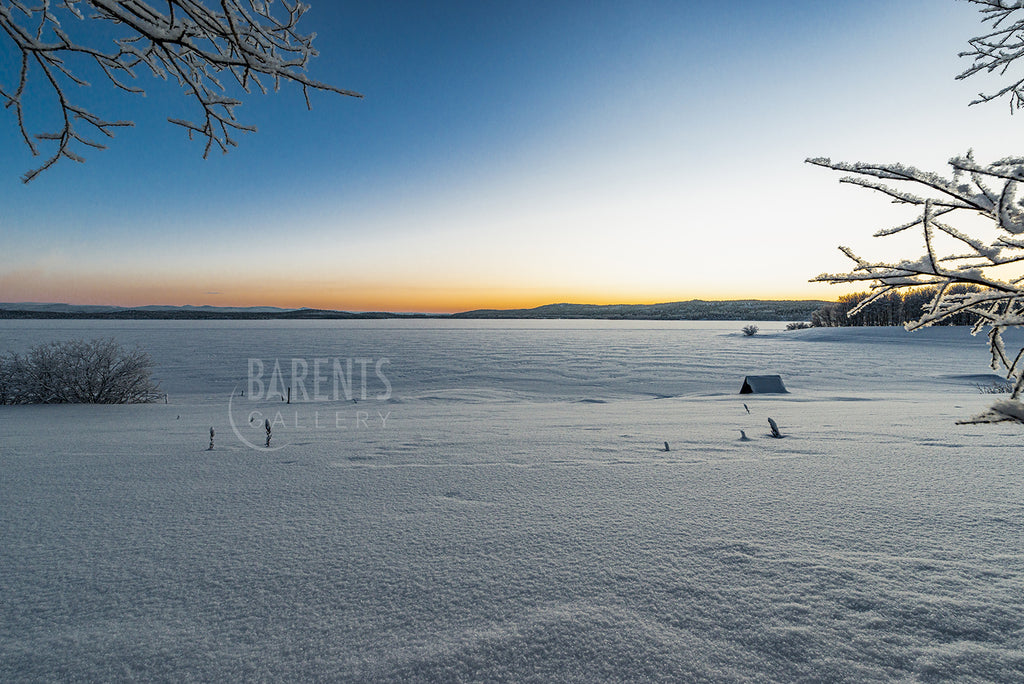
(997, 50)
(196, 46)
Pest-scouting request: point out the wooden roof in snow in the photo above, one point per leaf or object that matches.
(763, 384)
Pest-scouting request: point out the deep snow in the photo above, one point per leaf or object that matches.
(509, 511)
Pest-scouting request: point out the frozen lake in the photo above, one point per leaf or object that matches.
(498, 505)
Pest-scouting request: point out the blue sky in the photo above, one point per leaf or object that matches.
(513, 154)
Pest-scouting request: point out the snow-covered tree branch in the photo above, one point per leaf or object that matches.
(997, 50)
(240, 46)
(991, 267)
(952, 256)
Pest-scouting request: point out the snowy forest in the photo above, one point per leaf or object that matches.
(893, 308)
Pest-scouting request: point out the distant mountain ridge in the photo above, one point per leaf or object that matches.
(92, 308)
(186, 312)
(693, 310)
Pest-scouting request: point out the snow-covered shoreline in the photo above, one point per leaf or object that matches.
(515, 516)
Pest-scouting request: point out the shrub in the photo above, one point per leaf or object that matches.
(997, 387)
(750, 330)
(78, 372)
(798, 325)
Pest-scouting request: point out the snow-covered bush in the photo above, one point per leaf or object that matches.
(996, 388)
(749, 330)
(78, 372)
(7, 383)
(798, 325)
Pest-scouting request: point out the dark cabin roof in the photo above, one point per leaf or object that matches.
(763, 384)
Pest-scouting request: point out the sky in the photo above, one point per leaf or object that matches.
(511, 155)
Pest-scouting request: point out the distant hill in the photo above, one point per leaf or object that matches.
(38, 310)
(694, 310)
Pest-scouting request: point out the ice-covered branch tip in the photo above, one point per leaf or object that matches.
(997, 50)
(984, 278)
(255, 44)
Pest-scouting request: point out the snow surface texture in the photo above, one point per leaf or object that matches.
(516, 517)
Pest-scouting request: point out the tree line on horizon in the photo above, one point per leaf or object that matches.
(893, 308)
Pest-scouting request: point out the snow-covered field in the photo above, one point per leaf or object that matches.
(499, 506)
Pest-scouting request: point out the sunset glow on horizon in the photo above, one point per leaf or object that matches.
(510, 157)
(98, 290)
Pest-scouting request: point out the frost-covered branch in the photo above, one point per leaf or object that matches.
(997, 50)
(951, 255)
(254, 44)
